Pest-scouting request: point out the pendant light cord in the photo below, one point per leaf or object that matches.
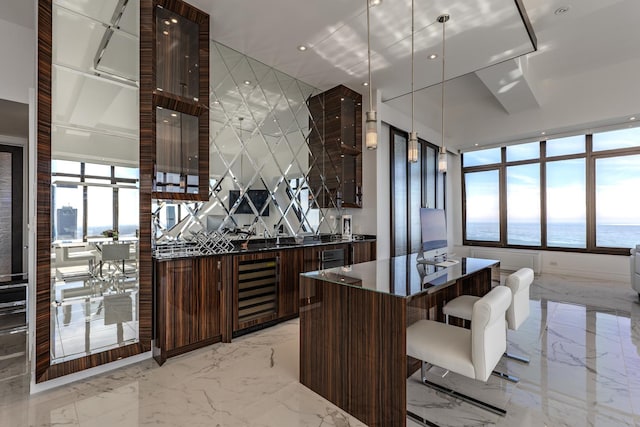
(442, 91)
(369, 57)
(412, 31)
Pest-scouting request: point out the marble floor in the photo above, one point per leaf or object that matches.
(583, 338)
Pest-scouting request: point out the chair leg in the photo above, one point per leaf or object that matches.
(424, 368)
(472, 400)
(519, 358)
(506, 376)
(422, 421)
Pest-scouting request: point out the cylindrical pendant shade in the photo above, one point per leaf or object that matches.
(371, 131)
(413, 147)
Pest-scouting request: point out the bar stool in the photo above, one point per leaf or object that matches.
(472, 353)
(519, 283)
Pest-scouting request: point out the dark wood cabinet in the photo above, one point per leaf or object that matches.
(187, 305)
(288, 293)
(335, 144)
(180, 95)
(362, 251)
(200, 301)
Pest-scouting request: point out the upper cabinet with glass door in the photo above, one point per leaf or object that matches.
(180, 98)
(337, 115)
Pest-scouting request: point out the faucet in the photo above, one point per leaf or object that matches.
(278, 231)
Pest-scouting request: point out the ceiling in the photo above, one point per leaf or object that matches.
(512, 100)
(584, 72)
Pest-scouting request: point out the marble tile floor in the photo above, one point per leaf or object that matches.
(583, 338)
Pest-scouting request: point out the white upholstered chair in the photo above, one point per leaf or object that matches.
(473, 353)
(519, 283)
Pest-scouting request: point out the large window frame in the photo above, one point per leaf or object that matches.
(432, 187)
(589, 155)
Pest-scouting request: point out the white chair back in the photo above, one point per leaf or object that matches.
(488, 331)
(519, 283)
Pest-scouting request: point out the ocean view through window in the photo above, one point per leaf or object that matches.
(578, 194)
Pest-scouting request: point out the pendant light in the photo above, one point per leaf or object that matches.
(371, 123)
(412, 151)
(442, 155)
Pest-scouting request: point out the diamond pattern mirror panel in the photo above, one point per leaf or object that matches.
(259, 158)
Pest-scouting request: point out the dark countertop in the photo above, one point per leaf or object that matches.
(262, 245)
(401, 276)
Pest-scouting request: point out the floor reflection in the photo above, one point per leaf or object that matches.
(92, 315)
(582, 338)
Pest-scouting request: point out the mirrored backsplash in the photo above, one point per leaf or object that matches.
(259, 162)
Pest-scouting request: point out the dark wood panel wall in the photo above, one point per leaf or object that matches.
(358, 367)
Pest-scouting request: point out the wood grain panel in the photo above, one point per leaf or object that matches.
(43, 203)
(350, 351)
(147, 151)
(288, 293)
(188, 312)
(362, 252)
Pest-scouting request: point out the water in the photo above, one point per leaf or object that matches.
(565, 235)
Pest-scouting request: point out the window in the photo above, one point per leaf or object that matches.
(617, 201)
(575, 193)
(523, 204)
(483, 206)
(482, 157)
(523, 152)
(566, 204)
(413, 185)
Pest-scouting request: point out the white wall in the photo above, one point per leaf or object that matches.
(575, 102)
(17, 50)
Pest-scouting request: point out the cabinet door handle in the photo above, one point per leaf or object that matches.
(353, 254)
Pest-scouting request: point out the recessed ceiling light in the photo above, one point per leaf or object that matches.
(373, 3)
(561, 10)
(165, 32)
(167, 22)
(302, 48)
(632, 118)
(365, 84)
(247, 82)
(216, 102)
(174, 115)
(433, 56)
(543, 133)
(476, 144)
(174, 20)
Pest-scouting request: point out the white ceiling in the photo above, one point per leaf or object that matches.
(584, 71)
(595, 39)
